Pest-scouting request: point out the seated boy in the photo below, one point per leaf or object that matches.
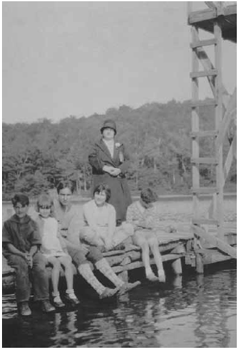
(21, 241)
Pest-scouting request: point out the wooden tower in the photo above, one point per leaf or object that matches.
(218, 18)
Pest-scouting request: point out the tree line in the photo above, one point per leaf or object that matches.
(36, 156)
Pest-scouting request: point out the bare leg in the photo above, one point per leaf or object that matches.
(67, 264)
(141, 241)
(55, 273)
(153, 243)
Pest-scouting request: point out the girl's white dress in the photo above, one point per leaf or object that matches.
(101, 223)
(51, 246)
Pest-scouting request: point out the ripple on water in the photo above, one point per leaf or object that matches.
(196, 312)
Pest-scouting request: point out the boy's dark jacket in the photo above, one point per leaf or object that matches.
(22, 234)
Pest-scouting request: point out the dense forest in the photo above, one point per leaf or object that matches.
(36, 156)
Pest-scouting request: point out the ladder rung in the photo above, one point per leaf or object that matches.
(195, 104)
(205, 190)
(211, 133)
(209, 161)
(201, 74)
(204, 221)
(200, 43)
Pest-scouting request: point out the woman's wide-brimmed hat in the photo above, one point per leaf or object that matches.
(109, 124)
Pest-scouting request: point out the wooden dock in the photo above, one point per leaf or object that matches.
(191, 246)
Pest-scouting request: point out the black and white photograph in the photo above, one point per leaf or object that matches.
(119, 174)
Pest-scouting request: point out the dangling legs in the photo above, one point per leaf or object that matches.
(86, 272)
(66, 261)
(55, 262)
(153, 244)
(104, 267)
(140, 240)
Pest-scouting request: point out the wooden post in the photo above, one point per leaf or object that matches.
(123, 276)
(199, 264)
(218, 120)
(195, 123)
(177, 266)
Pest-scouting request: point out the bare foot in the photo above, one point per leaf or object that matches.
(151, 277)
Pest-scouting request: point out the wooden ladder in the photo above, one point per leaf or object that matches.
(225, 107)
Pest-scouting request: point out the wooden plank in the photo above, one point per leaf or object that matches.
(207, 102)
(212, 133)
(202, 15)
(220, 244)
(201, 43)
(229, 114)
(205, 190)
(195, 121)
(207, 65)
(218, 120)
(139, 264)
(229, 160)
(205, 73)
(204, 221)
(207, 160)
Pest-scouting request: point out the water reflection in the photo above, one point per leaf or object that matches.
(186, 312)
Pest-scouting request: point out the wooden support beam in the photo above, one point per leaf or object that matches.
(195, 120)
(205, 190)
(229, 114)
(208, 161)
(207, 65)
(177, 266)
(197, 104)
(204, 221)
(218, 120)
(205, 73)
(201, 43)
(139, 264)
(230, 156)
(199, 134)
(220, 244)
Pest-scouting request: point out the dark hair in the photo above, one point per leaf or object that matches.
(21, 198)
(148, 195)
(65, 184)
(103, 187)
(44, 200)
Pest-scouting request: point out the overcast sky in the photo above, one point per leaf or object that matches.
(80, 58)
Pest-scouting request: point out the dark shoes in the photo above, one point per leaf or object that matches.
(24, 309)
(109, 292)
(47, 307)
(127, 286)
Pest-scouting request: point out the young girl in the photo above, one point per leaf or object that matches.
(52, 248)
(100, 219)
(142, 214)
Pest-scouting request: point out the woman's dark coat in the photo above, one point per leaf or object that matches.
(120, 193)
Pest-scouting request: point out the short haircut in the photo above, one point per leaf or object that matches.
(44, 200)
(65, 184)
(103, 187)
(148, 196)
(22, 199)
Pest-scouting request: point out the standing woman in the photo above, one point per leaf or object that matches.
(110, 163)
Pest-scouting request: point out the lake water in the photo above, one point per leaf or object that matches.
(185, 312)
(189, 311)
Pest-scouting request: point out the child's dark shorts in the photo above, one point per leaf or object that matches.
(79, 257)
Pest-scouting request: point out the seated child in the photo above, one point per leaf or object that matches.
(21, 241)
(142, 214)
(52, 249)
(100, 220)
